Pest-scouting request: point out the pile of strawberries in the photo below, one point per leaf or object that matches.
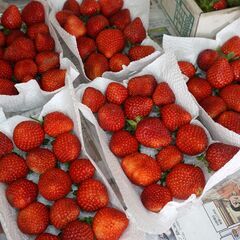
(217, 88)
(27, 50)
(59, 171)
(214, 5)
(107, 37)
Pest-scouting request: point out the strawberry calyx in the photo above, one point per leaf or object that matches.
(233, 3)
(206, 5)
(88, 220)
(164, 177)
(131, 125)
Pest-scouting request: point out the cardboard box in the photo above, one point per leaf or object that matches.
(189, 20)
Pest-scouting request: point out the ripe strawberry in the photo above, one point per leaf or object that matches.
(93, 98)
(141, 169)
(21, 193)
(2, 39)
(62, 16)
(11, 18)
(121, 19)
(187, 68)
(116, 93)
(89, 7)
(66, 147)
(37, 28)
(7, 87)
(73, 6)
(220, 4)
(63, 211)
(33, 12)
(75, 26)
(220, 74)
(109, 7)
(6, 145)
(163, 94)
(235, 65)
(137, 107)
(33, 219)
(111, 117)
(123, 143)
(13, 35)
(169, 157)
(92, 195)
(207, 58)
(218, 154)
(85, 46)
(152, 133)
(39, 160)
(5, 69)
(117, 61)
(109, 224)
(232, 45)
(44, 42)
(154, 197)
(47, 236)
(138, 52)
(213, 105)
(185, 180)
(54, 184)
(96, 24)
(230, 120)
(46, 61)
(191, 139)
(174, 116)
(95, 65)
(81, 170)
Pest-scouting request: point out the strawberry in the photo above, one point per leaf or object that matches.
(75, 26)
(54, 184)
(73, 6)
(2, 39)
(93, 98)
(63, 211)
(207, 58)
(33, 219)
(44, 42)
(123, 143)
(116, 93)
(56, 123)
(85, 46)
(111, 117)
(95, 65)
(7, 87)
(89, 7)
(80, 170)
(33, 13)
(110, 41)
(163, 94)
(220, 74)
(154, 197)
(47, 236)
(13, 35)
(121, 19)
(218, 154)
(138, 52)
(53, 79)
(141, 169)
(6, 145)
(11, 18)
(117, 61)
(5, 69)
(231, 95)
(220, 4)
(109, 7)
(96, 24)
(39, 160)
(21, 193)
(92, 195)
(77, 230)
(152, 133)
(137, 107)
(62, 16)
(230, 120)
(37, 28)
(66, 147)
(174, 116)
(169, 157)
(187, 68)
(232, 45)
(235, 65)
(46, 61)
(1, 52)
(213, 105)
(185, 180)
(109, 224)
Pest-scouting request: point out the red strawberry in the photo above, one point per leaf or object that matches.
(93, 98)
(39, 160)
(138, 52)
(63, 211)
(2, 39)
(46, 61)
(207, 58)
(123, 143)
(230, 120)
(75, 26)
(109, 224)
(235, 65)
(11, 18)
(169, 157)
(92, 195)
(21, 193)
(66, 147)
(62, 16)
(154, 197)
(5, 69)
(7, 87)
(6, 145)
(191, 139)
(137, 107)
(220, 4)
(109, 7)
(111, 117)
(13, 35)
(44, 42)
(218, 154)
(117, 61)
(213, 105)
(1, 53)
(33, 12)
(121, 19)
(96, 24)
(33, 219)
(37, 28)
(89, 7)
(81, 170)
(85, 46)
(232, 45)
(141, 169)
(54, 184)
(187, 68)
(185, 180)
(116, 93)
(73, 6)
(47, 236)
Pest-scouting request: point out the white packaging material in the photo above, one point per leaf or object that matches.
(188, 49)
(30, 94)
(137, 8)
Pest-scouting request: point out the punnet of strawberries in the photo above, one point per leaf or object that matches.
(214, 5)
(107, 37)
